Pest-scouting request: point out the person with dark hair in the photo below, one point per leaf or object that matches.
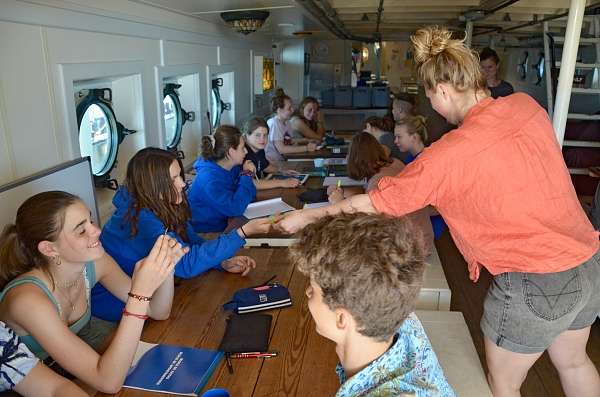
(489, 61)
(223, 187)
(280, 137)
(51, 259)
(500, 182)
(380, 129)
(150, 203)
(365, 275)
(367, 159)
(256, 134)
(307, 122)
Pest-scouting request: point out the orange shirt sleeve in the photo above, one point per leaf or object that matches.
(417, 186)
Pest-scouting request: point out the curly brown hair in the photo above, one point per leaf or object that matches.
(371, 265)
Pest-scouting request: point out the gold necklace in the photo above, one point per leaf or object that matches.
(66, 295)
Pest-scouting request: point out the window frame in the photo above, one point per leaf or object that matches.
(170, 91)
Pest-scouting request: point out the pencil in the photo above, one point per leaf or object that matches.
(339, 183)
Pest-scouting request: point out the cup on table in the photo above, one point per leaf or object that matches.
(319, 163)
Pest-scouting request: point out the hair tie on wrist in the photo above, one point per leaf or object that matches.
(140, 316)
(141, 298)
(243, 232)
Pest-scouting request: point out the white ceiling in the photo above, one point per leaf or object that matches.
(286, 16)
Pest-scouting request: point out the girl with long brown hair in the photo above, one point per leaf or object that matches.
(151, 203)
(500, 182)
(51, 257)
(307, 121)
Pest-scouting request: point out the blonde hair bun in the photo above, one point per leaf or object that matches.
(429, 42)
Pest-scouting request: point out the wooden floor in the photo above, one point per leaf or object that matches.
(468, 297)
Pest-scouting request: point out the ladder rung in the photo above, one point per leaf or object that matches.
(581, 65)
(583, 116)
(585, 90)
(582, 143)
(582, 40)
(578, 171)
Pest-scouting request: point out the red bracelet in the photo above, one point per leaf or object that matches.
(140, 316)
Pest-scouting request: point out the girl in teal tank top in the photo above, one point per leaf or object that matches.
(51, 259)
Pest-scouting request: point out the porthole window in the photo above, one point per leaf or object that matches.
(98, 136)
(217, 106)
(539, 69)
(174, 115)
(172, 120)
(522, 67)
(99, 133)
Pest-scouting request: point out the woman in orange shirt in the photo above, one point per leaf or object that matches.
(500, 182)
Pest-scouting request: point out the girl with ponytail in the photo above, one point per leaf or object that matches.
(151, 201)
(223, 187)
(280, 137)
(501, 183)
(51, 258)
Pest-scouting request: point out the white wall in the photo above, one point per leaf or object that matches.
(51, 48)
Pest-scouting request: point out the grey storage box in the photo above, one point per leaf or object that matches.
(361, 97)
(380, 97)
(327, 98)
(343, 97)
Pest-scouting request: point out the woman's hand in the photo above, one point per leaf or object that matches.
(150, 272)
(290, 182)
(239, 264)
(293, 221)
(336, 195)
(259, 226)
(311, 147)
(249, 166)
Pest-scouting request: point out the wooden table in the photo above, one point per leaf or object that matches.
(306, 362)
(324, 153)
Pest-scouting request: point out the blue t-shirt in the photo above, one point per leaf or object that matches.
(218, 194)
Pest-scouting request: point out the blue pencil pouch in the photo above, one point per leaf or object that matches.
(254, 299)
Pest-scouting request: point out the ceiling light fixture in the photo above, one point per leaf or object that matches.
(245, 22)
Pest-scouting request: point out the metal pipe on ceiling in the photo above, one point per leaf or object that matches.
(532, 23)
(325, 14)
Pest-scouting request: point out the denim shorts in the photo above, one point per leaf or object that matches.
(525, 312)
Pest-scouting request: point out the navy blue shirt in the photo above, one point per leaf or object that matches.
(502, 89)
(259, 159)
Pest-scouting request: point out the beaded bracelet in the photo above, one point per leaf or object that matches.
(140, 316)
(141, 298)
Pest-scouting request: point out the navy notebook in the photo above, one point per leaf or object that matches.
(171, 369)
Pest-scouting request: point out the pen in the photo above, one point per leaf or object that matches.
(229, 364)
(254, 355)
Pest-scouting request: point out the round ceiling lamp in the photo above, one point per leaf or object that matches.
(245, 22)
(365, 54)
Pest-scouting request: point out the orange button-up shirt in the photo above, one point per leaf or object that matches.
(501, 185)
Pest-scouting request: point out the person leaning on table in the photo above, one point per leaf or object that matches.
(500, 182)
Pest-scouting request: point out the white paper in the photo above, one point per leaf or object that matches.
(264, 208)
(317, 205)
(344, 181)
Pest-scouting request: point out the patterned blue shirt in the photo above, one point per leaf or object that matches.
(409, 367)
(15, 359)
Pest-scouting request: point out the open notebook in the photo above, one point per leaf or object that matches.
(264, 208)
